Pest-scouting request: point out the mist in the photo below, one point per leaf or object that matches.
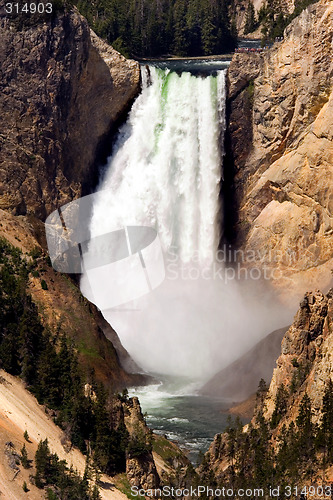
(195, 328)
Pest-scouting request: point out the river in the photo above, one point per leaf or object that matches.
(174, 409)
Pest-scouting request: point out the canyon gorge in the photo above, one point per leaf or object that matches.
(264, 161)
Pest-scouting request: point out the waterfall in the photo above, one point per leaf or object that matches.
(166, 166)
(165, 173)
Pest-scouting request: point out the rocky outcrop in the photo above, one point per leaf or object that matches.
(304, 371)
(279, 160)
(152, 461)
(141, 472)
(306, 360)
(239, 380)
(62, 89)
(140, 466)
(134, 419)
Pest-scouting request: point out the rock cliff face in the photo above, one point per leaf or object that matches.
(238, 9)
(306, 360)
(240, 380)
(304, 367)
(140, 467)
(62, 89)
(279, 160)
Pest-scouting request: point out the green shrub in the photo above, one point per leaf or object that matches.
(44, 285)
(35, 253)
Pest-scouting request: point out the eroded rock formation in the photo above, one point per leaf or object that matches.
(140, 466)
(62, 89)
(280, 153)
(305, 363)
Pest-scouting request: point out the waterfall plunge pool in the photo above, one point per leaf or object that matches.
(173, 409)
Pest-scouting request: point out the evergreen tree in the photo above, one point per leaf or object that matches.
(181, 35)
(288, 455)
(43, 464)
(263, 455)
(158, 27)
(30, 337)
(306, 435)
(325, 435)
(281, 400)
(250, 18)
(261, 393)
(24, 457)
(231, 442)
(66, 483)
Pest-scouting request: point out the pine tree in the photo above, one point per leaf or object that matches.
(209, 30)
(281, 400)
(326, 428)
(261, 393)
(250, 18)
(288, 455)
(231, 441)
(43, 464)
(306, 435)
(263, 454)
(24, 457)
(30, 338)
(181, 38)
(159, 27)
(95, 494)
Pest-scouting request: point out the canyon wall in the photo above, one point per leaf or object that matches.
(305, 363)
(239, 380)
(62, 89)
(278, 168)
(303, 372)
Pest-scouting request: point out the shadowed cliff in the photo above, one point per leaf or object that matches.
(62, 90)
(240, 379)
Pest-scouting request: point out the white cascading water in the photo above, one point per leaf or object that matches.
(165, 172)
(166, 167)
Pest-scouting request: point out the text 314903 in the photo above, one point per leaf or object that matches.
(28, 8)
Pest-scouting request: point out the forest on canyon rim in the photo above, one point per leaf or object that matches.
(144, 28)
